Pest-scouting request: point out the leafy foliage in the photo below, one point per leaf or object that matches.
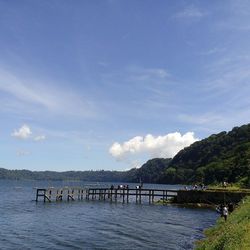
(221, 157)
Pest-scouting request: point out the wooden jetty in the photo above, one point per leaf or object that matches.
(112, 194)
(139, 195)
(60, 194)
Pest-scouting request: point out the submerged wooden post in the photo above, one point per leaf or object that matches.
(39, 194)
(140, 195)
(111, 194)
(81, 194)
(115, 194)
(123, 195)
(59, 195)
(87, 194)
(104, 195)
(70, 195)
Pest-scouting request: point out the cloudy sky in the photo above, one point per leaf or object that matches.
(109, 84)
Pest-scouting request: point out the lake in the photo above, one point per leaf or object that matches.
(94, 224)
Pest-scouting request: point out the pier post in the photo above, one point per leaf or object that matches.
(59, 195)
(100, 191)
(79, 194)
(87, 194)
(115, 194)
(70, 195)
(123, 195)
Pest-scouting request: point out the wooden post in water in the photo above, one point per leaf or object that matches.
(123, 195)
(111, 194)
(87, 194)
(81, 194)
(115, 194)
(140, 195)
(127, 195)
(58, 195)
(42, 193)
(70, 195)
(100, 191)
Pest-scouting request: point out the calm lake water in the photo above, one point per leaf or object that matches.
(94, 224)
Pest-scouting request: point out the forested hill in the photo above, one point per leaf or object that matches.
(149, 172)
(223, 156)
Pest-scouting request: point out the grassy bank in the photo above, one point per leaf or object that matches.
(233, 234)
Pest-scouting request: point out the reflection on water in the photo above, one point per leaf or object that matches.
(94, 224)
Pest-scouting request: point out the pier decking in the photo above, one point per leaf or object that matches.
(123, 195)
(139, 195)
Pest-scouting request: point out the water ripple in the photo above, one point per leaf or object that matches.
(94, 224)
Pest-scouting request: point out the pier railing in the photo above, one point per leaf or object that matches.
(112, 194)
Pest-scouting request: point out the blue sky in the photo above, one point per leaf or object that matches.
(111, 84)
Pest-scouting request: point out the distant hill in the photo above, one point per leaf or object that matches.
(149, 172)
(220, 157)
(94, 176)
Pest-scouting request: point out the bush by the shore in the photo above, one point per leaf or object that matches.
(232, 234)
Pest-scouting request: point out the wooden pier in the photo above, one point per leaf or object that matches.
(123, 195)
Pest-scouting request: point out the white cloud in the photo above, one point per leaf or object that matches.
(25, 132)
(40, 138)
(161, 146)
(40, 95)
(145, 74)
(212, 51)
(190, 12)
(208, 118)
(22, 153)
(22, 133)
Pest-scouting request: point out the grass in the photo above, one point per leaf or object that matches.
(234, 234)
(232, 187)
